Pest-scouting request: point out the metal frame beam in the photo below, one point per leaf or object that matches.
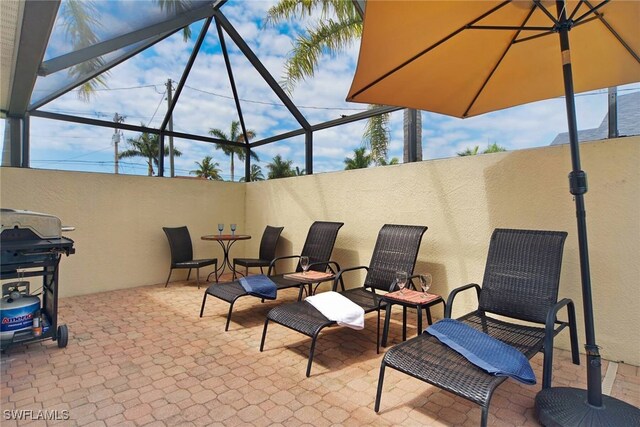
(185, 73)
(234, 90)
(37, 24)
(326, 125)
(261, 69)
(133, 128)
(65, 61)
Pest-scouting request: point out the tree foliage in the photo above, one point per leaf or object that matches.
(279, 168)
(234, 135)
(491, 148)
(255, 174)
(360, 159)
(147, 146)
(208, 169)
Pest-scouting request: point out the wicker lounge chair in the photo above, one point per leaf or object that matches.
(521, 282)
(318, 247)
(396, 250)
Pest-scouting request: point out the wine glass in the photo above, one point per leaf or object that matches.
(425, 283)
(401, 280)
(220, 228)
(233, 229)
(304, 263)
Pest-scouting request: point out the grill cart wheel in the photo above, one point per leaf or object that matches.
(63, 336)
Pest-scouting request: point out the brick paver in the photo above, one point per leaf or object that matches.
(143, 356)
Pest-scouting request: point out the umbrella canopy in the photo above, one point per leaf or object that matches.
(450, 57)
(464, 58)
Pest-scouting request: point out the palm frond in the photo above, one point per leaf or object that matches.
(326, 37)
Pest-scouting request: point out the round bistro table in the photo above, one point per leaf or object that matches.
(225, 241)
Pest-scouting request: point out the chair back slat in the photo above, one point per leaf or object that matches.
(522, 275)
(396, 249)
(319, 244)
(269, 242)
(179, 243)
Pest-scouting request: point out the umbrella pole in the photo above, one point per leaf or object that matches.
(565, 406)
(578, 187)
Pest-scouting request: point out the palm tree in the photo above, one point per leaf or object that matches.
(235, 135)
(208, 169)
(147, 145)
(360, 159)
(299, 172)
(80, 18)
(331, 36)
(255, 174)
(491, 148)
(279, 168)
(376, 137)
(393, 161)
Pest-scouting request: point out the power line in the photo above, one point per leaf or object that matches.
(274, 104)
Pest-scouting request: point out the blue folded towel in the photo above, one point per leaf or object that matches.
(260, 286)
(488, 353)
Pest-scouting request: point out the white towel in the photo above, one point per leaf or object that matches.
(338, 308)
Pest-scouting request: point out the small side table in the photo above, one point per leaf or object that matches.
(412, 299)
(309, 279)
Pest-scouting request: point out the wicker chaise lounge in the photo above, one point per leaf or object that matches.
(521, 282)
(318, 247)
(396, 250)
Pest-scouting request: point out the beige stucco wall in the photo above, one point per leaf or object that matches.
(462, 200)
(120, 243)
(118, 238)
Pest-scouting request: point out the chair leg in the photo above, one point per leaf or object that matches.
(204, 300)
(380, 382)
(547, 364)
(378, 333)
(485, 416)
(573, 333)
(233, 277)
(168, 277)
(198, 277)
(264, 333)
(311, 351)
(216, 270)
(226, 327)
(189, 274)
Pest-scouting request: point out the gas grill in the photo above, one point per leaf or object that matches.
(31, 245)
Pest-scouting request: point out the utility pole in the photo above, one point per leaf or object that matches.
(170, 127)
(116, 137)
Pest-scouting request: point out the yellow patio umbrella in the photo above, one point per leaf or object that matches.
(464, 58)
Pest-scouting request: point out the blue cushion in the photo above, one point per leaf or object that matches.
(260, 286)
(484, 351)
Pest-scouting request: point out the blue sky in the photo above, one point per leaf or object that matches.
(136, 90)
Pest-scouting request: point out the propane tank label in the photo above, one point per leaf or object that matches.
(18, 318)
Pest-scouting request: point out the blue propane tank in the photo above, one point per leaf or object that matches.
(17, 313)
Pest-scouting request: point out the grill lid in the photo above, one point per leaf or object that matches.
(44, 226)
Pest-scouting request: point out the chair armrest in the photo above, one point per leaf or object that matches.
(341, 273)
(272, 264)
(452, 295)
(328, 264)
(552, 314)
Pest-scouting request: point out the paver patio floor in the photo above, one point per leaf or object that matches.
(142, 356)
